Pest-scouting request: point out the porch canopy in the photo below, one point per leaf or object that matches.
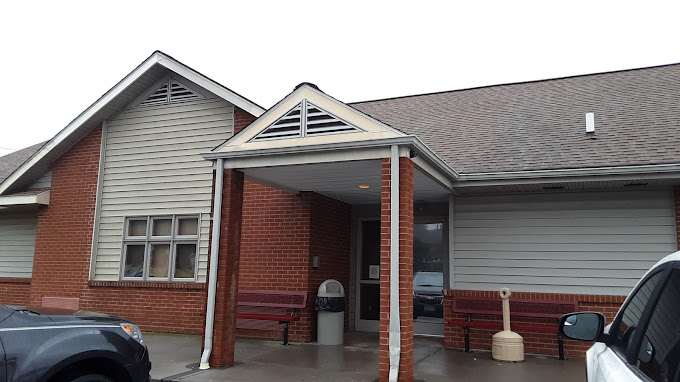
(312, 142)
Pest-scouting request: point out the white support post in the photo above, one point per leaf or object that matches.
(395, 322)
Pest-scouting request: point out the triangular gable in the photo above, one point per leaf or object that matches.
(112, 101)
(308, 116)
(305, 120)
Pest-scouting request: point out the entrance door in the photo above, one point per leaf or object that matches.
(429, 261)
(368, 296)
(429, 264)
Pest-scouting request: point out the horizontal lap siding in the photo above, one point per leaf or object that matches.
(593, 243)
(17, 244)
(153, 166)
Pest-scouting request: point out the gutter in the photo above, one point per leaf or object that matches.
(459, 180)
(212, 272)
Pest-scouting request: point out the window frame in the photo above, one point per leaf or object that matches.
(149, 240)
(629, 355)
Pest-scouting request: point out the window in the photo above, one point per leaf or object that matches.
(160, 248)
(632, 314)
(659, 353)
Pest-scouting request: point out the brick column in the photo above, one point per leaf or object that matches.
(405, 269)
(227, 271)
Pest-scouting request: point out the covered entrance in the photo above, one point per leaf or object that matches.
(398, 192)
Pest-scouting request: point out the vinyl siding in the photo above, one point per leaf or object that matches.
(17, 243)
(153, 166)
(44, 181)
(593, 243)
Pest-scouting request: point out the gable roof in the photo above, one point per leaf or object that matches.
(540, 125)
(364, 126)
(10, 162)
(146, 74)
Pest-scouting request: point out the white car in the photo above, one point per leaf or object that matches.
(643, 341)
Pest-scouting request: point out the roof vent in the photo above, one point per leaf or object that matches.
(170, 91)
(590, 123)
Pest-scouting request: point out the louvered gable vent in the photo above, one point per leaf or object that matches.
(316, 122)
(323, 122)
(287, 126)
(170, 92)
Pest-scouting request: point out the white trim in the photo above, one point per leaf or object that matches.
(98, 202)
(452, 236)
(42, 198)
(157, 58)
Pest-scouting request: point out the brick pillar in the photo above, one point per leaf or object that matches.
(676, 196)
(227, 271)
(405, 269)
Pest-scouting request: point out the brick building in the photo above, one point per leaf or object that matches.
(559, 189)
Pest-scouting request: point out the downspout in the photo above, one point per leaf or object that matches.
(394, 328)
(212, 273)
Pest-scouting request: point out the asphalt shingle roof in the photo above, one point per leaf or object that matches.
(541, 124)
(12, 161)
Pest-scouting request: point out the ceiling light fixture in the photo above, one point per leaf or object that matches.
(363, 186)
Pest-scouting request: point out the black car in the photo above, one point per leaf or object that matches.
(65, 346)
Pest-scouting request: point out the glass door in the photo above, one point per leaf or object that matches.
(368, 298)
(429, 259)
(430, 250)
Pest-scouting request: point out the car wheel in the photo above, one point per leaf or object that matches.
(91, 378)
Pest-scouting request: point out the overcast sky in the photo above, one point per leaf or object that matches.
(58, 57)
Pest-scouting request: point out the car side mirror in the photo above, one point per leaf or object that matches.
(585, 326)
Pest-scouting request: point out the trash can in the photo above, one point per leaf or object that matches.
(330, 304)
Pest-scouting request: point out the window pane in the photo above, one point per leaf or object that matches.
(187, 226)
(429, 250)
(134, 260)
(185, 260)
(660, 348)
(160, 260)
(633, 312)
(136, 228)
(162, 227)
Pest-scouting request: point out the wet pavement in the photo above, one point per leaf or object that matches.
(175, 358)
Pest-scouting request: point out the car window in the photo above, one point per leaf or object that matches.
(660, 347)
(629, 321)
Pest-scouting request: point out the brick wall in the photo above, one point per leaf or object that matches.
(157, 307)
(275, 250)
(331, 223)
(61, 264)
(544, 344)
(281, 232)
(15, 291)
(241, 119)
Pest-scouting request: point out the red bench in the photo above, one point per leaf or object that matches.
(548, 310)
(269, 305)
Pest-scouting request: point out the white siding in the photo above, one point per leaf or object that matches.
(17, 243)
(153, 166)
(595, 243)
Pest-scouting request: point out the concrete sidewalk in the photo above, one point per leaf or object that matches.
(175, 358)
